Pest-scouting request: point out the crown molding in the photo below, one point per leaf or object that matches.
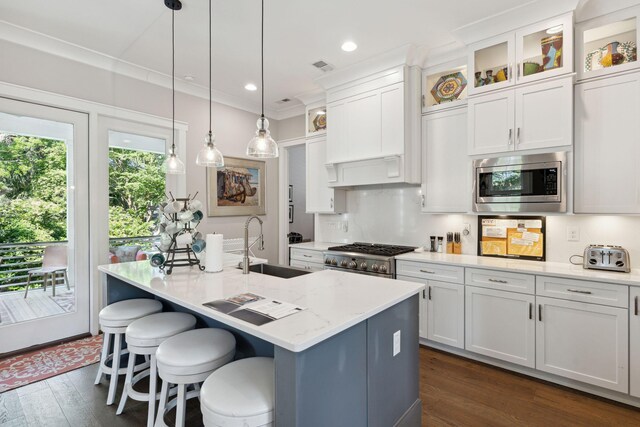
(54, 46)
(524, 14)
(589, 9)
(312, 97)
(402, 55)
(292, 111)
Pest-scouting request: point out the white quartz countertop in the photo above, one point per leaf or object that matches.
(334, 300)
(557, 269)
(314, 246)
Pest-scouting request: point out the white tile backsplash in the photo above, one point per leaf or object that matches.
(391, 214)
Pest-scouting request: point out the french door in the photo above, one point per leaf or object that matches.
(44, 204)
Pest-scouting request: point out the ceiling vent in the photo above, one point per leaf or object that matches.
(283, 101)
(321, 65)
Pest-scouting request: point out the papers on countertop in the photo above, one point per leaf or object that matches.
(254, 308)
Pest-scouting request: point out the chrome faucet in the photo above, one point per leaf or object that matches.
(245, 258)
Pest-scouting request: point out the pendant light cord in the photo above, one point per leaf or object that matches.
(210, 96)
(262, 56)
(173, 83)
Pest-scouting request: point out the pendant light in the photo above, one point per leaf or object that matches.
(209, 155)
(262, 145)
(172, 164)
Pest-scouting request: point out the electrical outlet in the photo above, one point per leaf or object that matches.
(573, 233)
(396, 343)
(345, 226)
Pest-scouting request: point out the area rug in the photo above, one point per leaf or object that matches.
(17, 371)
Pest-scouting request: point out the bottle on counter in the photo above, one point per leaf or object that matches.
(434, 247)
(440, 248)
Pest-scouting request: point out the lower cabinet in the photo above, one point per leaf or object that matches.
(445, 313)
(422, 324)
(500, 324)
(634, 342)
(306, 265)
(584, 342)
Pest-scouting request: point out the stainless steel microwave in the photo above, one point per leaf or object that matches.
(531, 183)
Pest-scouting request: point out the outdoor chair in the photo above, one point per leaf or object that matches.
(54, 261)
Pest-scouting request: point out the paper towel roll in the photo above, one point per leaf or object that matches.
(214, 258)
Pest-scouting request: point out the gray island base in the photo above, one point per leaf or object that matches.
(351, 378)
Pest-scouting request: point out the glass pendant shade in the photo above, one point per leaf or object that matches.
(209, 155)
(262, 145)
(172, 165)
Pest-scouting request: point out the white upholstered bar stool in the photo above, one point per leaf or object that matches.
(114, 320)
(188, 359)
(240, 394)
(143, 337)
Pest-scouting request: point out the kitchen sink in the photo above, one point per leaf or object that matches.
(278, 270)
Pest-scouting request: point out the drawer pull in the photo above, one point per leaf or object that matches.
(307, 256)
(578, 291)
(428, 271)
(498, 281)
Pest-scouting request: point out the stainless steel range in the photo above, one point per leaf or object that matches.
(365, 258)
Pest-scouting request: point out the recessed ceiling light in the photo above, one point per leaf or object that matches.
(555, 30)
(251, 87)
(349, 46)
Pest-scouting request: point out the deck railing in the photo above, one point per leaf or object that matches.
(18, 258)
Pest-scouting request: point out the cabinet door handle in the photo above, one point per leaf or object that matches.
(530, 310)
(510, 136)
(540, 312)
(498, 281)
(428, 271)
(519, 65)
(423, 200)
(578, 291)
(518, 136)
(510, 74)
(332, 203)
(424, 295)
(636, 306)
(423, 101)
(429, 292)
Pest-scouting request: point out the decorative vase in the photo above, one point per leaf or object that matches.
(612, 56)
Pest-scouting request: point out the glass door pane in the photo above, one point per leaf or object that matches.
(44, 290)
(610, 45)
(491, 65)
(542, 51)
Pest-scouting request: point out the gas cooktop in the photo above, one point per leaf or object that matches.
(373, 249)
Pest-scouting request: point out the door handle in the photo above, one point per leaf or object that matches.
(636, 306)
(510, 136)
(518, 136)
(519, 65)
(510, 74)
(530, 310)
(332, 203)
(423, 200)
(578, 291)
(540, 312)
(424, 295)
(429, 292)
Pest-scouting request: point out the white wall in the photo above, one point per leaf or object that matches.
(391, 214)
(233, 127)
(302, 221)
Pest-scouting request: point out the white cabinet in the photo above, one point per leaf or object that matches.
(445, 313)
(445, 164)
(535, 52)
(306, 258)
(607, 129)
(500, 324)
(320, 197)
(535, 116)
(634, 342)
(422, 309)
(584, 342)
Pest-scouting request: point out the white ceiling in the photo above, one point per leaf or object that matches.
(297, 33)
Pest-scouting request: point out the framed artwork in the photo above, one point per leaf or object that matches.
(237, 189)
(290, 214)
(290, 193)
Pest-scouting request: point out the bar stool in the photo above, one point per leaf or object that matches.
(114, 320)
(240, 394)
(143, 337)
(188, 359)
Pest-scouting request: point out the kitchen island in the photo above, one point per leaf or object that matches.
(349, 358)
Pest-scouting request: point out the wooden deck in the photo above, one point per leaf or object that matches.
(14, 308)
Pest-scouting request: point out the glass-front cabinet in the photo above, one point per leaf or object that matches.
(608, 44)
(535, 52)
(444, 86)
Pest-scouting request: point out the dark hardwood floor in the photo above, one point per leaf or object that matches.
(454, 392)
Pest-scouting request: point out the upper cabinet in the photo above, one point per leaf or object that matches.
(444, 86)
(529, 117)
(316, 117)
(607, 44)
(536, 52)
(374, 136)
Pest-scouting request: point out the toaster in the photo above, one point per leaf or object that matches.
(607, 257)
